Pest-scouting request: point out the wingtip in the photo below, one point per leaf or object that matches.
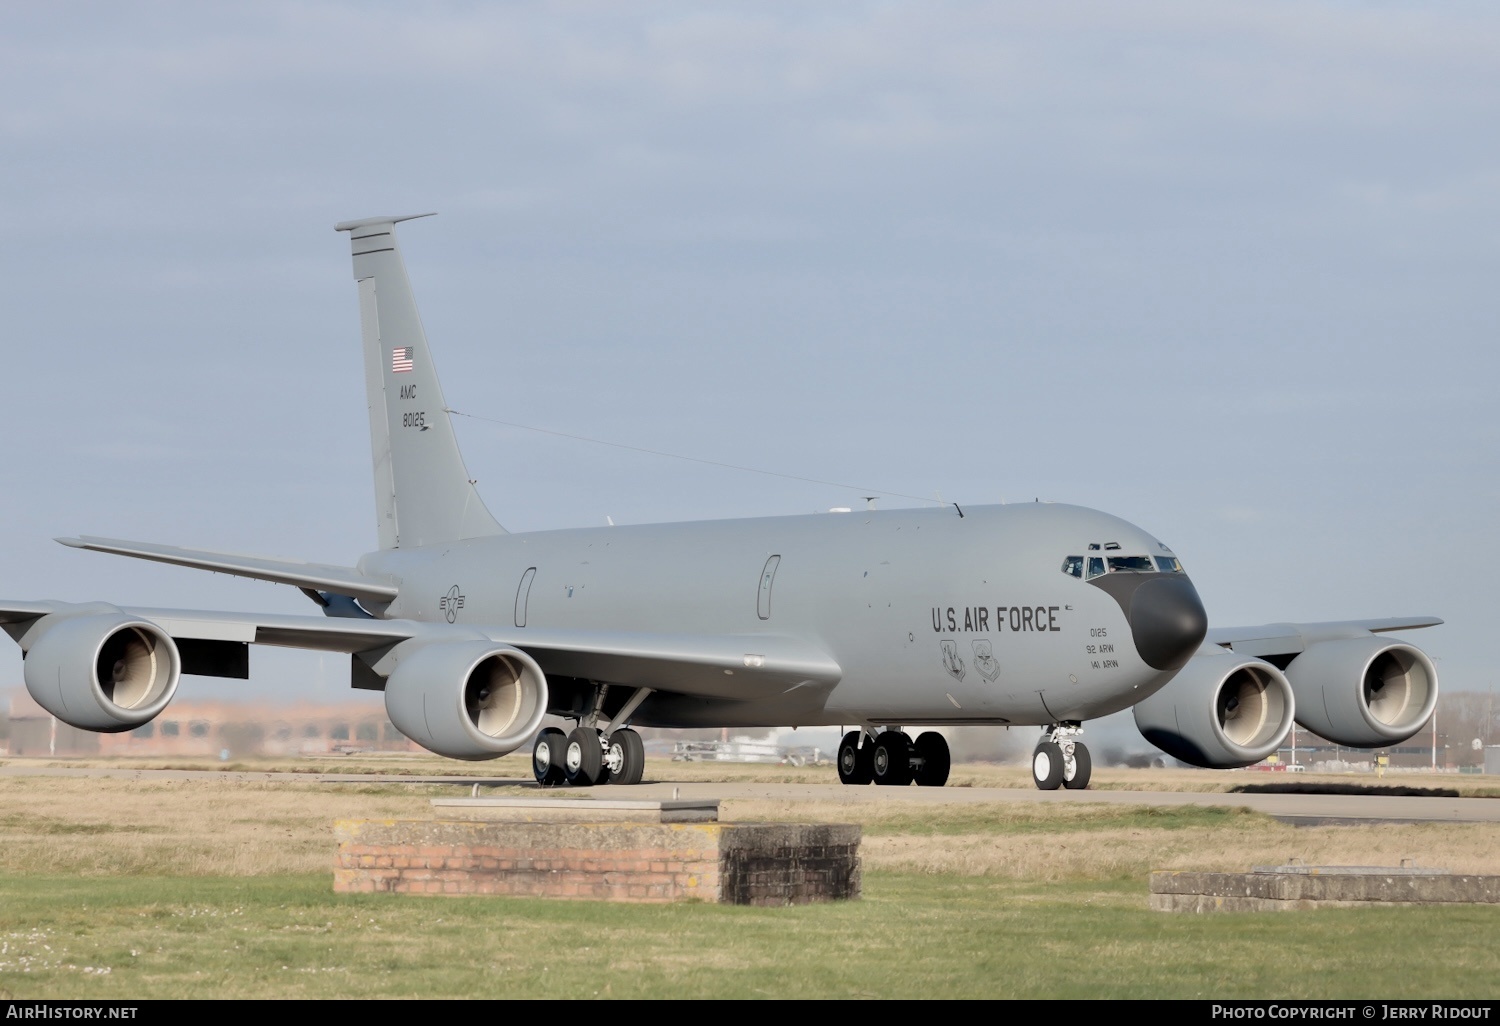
(72, 543)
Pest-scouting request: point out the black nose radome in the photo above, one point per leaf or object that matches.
(1166, 616)
(1168, 621)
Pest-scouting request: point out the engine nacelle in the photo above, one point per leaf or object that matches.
(106, 672)
(1221, 711)
(466, 699)
(1363, 692)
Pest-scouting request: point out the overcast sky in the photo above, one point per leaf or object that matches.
(1228, 270)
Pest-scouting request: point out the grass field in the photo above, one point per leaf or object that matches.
(222, 888)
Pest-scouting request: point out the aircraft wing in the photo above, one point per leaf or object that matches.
(732, 666)
(340, 580)
(727, 666)
(1274, 639)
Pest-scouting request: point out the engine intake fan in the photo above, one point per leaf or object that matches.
(1363, 692)
(466, 699)
(106, 672)
(1221, 711)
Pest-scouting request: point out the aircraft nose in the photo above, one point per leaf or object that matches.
(1167, 620)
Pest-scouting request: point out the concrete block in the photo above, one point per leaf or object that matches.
(580, 810)
(1299, 887)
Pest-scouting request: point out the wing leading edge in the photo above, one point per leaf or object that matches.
(725, 666)
(1286, 639)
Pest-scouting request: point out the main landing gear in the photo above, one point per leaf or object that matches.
(893, 759)
(588, 755)
(1059, 758)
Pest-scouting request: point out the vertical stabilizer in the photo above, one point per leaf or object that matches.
(423, 494)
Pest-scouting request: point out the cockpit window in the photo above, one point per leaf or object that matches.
(1096, 567)
(1131, 565)
(1073, 565)
(1168, 565)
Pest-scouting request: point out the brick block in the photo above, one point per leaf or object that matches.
(744, 863)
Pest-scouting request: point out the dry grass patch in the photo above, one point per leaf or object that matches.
(231, 826)
(1057, 842)
(185, 827)
(1115, 854)
(513, 766)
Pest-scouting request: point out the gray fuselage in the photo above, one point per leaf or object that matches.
(933, 617)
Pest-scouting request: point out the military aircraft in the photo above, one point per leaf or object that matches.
(1035, 614)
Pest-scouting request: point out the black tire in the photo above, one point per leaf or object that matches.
(1047, 766)
(547, 757)
(1083, 768)
(584, 762)
(890, 762)
(932, 748)
(854, 761)
(631, 757)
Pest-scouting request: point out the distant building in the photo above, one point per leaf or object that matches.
(211, 728)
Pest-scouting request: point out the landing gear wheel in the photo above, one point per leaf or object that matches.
(584, 761)
(547, 757)
(932, 749)
(891, 759)
(854, 761)
(625, 757)
(1046, 765)
(1076, 770)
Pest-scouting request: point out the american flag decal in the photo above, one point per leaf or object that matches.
(401, 360)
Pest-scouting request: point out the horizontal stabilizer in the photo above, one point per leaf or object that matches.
(340, 580)
(365, 222)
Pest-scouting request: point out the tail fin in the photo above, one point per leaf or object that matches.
(423, 494)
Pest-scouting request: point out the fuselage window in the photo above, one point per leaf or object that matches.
(1096, 567)
(1131, 565)
(1073, 565)
(1168, 565)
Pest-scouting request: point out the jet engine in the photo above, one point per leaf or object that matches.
(466, 699)
(101, 671)
(1363, 692)
(1221, 711)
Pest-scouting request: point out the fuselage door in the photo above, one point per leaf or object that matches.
(767, 578)
(523, 594)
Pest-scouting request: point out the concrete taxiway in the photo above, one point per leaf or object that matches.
(1301, 809)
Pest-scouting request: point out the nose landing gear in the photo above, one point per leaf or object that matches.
(1061, 759)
